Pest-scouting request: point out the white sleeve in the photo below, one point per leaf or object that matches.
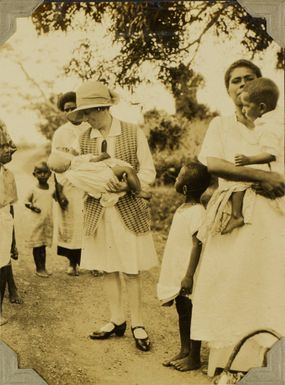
(198, 214)
(212, 145)
(146, 173)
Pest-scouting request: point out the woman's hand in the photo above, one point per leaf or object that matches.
(272, 187)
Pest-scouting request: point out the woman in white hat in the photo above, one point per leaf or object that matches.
(117, 240)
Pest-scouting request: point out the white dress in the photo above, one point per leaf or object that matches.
(40, 224)
(186, 222)
(242, 273)
(70, 220)
(8, 195)
(114, 247)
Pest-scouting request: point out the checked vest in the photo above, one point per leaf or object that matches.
(133, 210)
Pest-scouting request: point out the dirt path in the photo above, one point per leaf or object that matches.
(50, 330)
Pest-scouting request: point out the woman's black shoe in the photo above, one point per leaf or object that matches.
(141, 343)
(119, 330)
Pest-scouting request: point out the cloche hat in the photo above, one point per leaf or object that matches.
(92, 94)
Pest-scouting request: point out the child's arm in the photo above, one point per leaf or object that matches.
(29, 204)
(264, 157)
(128, 175)
(187, 281)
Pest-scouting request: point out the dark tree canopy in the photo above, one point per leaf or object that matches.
(151, 31)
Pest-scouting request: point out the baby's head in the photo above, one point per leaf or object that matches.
(59, 161)
(258, 97)
(42, 171)
(193, 179)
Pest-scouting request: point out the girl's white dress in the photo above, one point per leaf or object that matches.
(186, 222)
(242, 274)
(40, 224)
(113, 247)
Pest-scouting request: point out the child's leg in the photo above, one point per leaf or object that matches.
(39, 254)
(74, 257)
(3, 283)
(192, 360)
(236, 219)
(12, 288)
(183, 307)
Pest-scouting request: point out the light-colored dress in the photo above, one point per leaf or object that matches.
(70, 220)
(242, 273)
(114, 247)
(8, 195)
(186, 222)
(40, 224)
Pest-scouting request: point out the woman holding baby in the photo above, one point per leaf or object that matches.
(117, 239)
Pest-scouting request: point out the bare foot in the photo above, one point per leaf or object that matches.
(3, 320)
(187, 363)
(15, 298)
(233, 224)
(172, 361)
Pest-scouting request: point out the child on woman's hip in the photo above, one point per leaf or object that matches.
(39, 202)
(180, 260)
(259, 99)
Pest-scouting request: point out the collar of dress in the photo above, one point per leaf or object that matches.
(114, 131)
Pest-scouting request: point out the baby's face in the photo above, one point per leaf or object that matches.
(250, 110)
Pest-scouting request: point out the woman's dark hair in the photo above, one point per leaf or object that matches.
(238, 64)
(64, 98)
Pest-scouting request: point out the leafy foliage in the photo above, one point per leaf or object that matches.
(50, 117)
(160, 32)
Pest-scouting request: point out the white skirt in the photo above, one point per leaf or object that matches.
(240, 280)
(115, 248)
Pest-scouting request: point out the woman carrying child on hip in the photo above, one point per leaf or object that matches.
(259, 99)
(180, 260)
(39, 202)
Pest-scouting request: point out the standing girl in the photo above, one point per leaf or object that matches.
(8, 195)
(39, 201)
(180, 259)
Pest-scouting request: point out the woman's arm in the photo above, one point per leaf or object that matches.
(272, 183)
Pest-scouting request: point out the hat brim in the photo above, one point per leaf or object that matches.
(75, 114)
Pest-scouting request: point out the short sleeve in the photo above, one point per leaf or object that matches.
(212, 145)
(197, 216)
(269, 142)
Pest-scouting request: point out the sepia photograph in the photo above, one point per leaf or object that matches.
(142, 208)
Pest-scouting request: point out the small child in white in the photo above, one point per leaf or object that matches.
(39, 202)
(92, 173)
(259, 99)
(180, 260)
